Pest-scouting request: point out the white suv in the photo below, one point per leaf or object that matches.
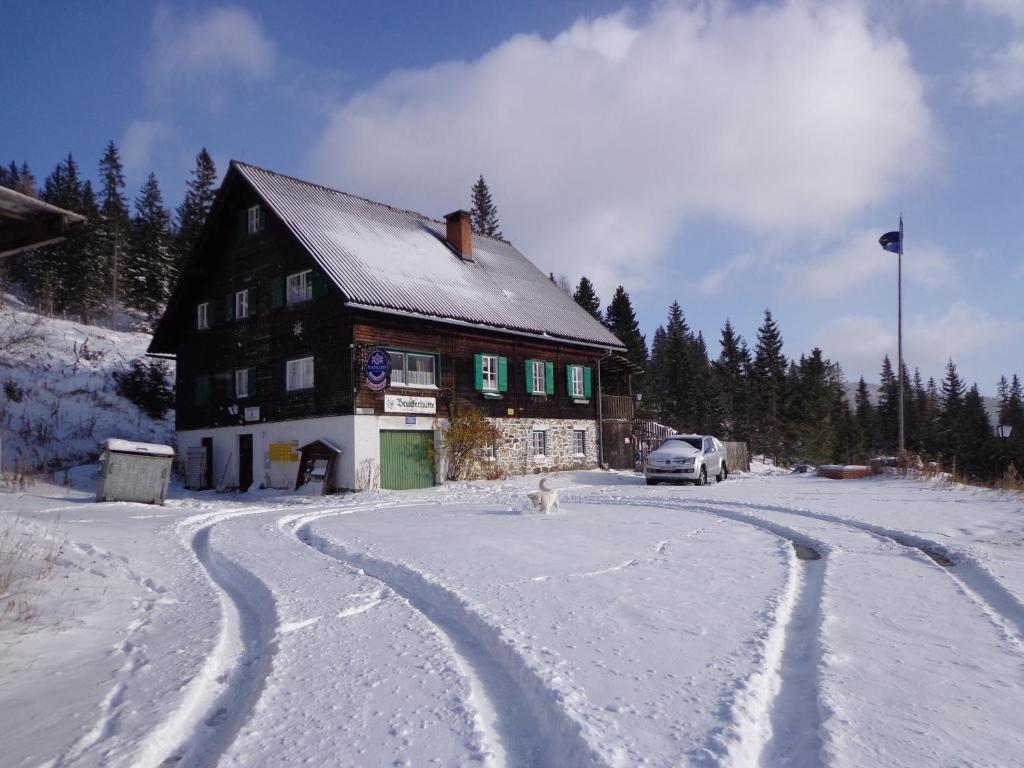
(687, 459)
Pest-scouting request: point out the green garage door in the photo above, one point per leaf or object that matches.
(406, 460)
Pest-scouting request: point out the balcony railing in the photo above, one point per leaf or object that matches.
(616, 407)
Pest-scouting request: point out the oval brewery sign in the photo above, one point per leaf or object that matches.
(378, 368)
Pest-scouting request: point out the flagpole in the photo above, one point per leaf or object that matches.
(899, 291)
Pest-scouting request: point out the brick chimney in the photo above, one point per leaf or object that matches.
(460, 234)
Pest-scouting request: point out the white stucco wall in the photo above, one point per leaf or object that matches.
(357, 436)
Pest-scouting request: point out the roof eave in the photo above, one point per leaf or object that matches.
(483, 326)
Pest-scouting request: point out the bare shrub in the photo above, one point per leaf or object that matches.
(469, 433)
(28, 557)
(368, 476)
(19, 332)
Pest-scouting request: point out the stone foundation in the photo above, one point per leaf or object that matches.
(514, 451)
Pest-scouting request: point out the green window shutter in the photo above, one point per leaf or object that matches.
(586, 382)
(229, 306)
(549, 378)
(277, 293)
(202, 390)
(243, 224)
(263, 219)
(503, 374)
(478, 372)
(320, 287)
(529, 376)
(253, 389)
(568, 379)
(250, 297)
(213, 313)
(229, 385)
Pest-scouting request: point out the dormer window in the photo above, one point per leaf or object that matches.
(203, 316)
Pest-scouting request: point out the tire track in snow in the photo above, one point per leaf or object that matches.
(775, 714)
(218, 700)
(522, 719)
(974, 581)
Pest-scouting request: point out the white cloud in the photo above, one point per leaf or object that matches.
(138, 142)
(722, 277)
(207, 51)
(929, 340)
(600, 143)
(999, 78)
(861, 259)
(1000, 81)
(1011, 9)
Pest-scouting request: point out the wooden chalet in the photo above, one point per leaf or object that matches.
(296, 294)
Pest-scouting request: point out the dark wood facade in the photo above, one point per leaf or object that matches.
(229, 259)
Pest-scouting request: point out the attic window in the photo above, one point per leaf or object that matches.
(255, 220)
(203, 316)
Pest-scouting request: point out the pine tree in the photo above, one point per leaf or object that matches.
(864, 413)
(768, 387)
(731, 370)
(809, 418)
(848, 439)
(115, 225)
(951, 415)
(671, 373)
(888, 408)
(621, 320)
(586, 297)
(977, 437)
(484, 213)
(151, 266)
(196, 206)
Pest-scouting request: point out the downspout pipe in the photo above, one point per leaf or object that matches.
(600, 411)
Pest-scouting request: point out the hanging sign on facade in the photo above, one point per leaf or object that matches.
(378, 369)
(407, 404)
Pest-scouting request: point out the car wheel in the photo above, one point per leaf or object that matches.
(723, 474)
(652, 482)
(702, 479)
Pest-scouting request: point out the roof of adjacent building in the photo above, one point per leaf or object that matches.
(386, 259)
(26, 222)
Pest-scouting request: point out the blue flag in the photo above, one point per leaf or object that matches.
(890, 241)
(893, 241)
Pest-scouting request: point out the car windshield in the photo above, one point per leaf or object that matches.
(674, 442)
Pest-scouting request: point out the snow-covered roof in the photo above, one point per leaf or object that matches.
(386, 259)
(118, 445)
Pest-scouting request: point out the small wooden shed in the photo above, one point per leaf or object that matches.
(316, 467)
(131, 471)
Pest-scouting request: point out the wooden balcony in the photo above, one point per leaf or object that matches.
(616, 408)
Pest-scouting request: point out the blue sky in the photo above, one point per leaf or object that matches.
(734, 157)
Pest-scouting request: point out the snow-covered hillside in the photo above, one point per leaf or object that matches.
(57, 392)
(763, 621)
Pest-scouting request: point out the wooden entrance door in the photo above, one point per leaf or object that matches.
(207, 481)
(244, 462)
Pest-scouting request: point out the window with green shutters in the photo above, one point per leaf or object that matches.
(577, 381)
(540, 377)
(298, 288)
(490, 373)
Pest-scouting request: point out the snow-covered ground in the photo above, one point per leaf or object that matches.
(661, 626)
(58, 397)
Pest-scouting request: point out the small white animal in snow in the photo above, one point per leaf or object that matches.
(545, 499)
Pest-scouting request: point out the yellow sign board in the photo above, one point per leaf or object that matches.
(285, 451)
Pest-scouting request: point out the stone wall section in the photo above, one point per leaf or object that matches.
(514, 451)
